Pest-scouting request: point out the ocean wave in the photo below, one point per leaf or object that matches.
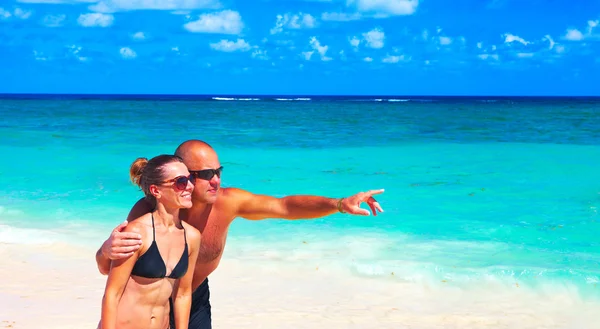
(234, 99)
(9, 212)
(403, 258)
(30, 236)
(393, 100)
(294, 99)
(54, 229)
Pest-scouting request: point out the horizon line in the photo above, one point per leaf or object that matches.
(2, 94)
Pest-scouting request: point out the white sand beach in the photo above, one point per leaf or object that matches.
(58, 286)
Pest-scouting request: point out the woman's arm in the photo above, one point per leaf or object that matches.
(118, 276)
(183, 296)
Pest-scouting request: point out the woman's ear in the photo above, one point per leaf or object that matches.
(154, 191)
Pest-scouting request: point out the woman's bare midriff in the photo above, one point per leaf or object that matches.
(148, 312)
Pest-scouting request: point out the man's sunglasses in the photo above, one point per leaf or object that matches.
(206, 174)
(181, 182)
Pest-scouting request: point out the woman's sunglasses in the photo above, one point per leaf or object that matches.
(181, 182)
(206, 174)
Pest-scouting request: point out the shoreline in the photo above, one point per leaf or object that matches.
(58, 286)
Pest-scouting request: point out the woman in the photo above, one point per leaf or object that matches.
(138, 288)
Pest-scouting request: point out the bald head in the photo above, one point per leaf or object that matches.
(196, 153)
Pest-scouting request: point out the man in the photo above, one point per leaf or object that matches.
(213, 210)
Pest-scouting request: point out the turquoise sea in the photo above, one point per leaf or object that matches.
(477, 190)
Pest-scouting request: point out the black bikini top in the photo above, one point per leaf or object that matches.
(151, 264)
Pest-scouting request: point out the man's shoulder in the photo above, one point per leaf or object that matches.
(140, 208)
(230, 201)
(231, 191)
(233, 195)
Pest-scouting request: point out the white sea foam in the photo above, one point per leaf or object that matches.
(293, 99)
(30, 236)
(234, 99)
(405, 259)
(79, 232)
(9, 212)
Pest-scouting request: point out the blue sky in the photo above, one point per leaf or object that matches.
(377, 47)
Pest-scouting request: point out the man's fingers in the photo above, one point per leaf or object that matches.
(127, 243)
(373, 192)
(373, 210)
(360, 211)
(125, 249)
(376, 205)
(128, 236)
(122, 255)
(120, 227)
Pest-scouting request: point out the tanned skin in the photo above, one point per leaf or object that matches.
(214, 209)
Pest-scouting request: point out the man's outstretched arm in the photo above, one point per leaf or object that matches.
(257, 206)
(120, 245)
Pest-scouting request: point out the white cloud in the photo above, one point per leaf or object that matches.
(109, 6)
(230, 46)
(54, 20)
(525, 55)
(22, 14)
(509, 38)
(591, 26)
(58, 1)
(384, 8)
(574, 35)
(560, 49)
(39, 56)
(445, 41)
(299, 21)
(260, 54)
(127, 53)
(316, 46)
(374, 38)
(75, 50)
(340, 17)
(224, 22)
(138, 36)
(550, 40)
(17, 13)
(4, 14)
(391, 59)
(308, 54)
(368, 59)
(479, 45)
(354, 42)
(95, 19)
(488, 56)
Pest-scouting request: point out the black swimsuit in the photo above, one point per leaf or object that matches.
(151, 264)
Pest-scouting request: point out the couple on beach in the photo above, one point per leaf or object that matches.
(159, 260)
